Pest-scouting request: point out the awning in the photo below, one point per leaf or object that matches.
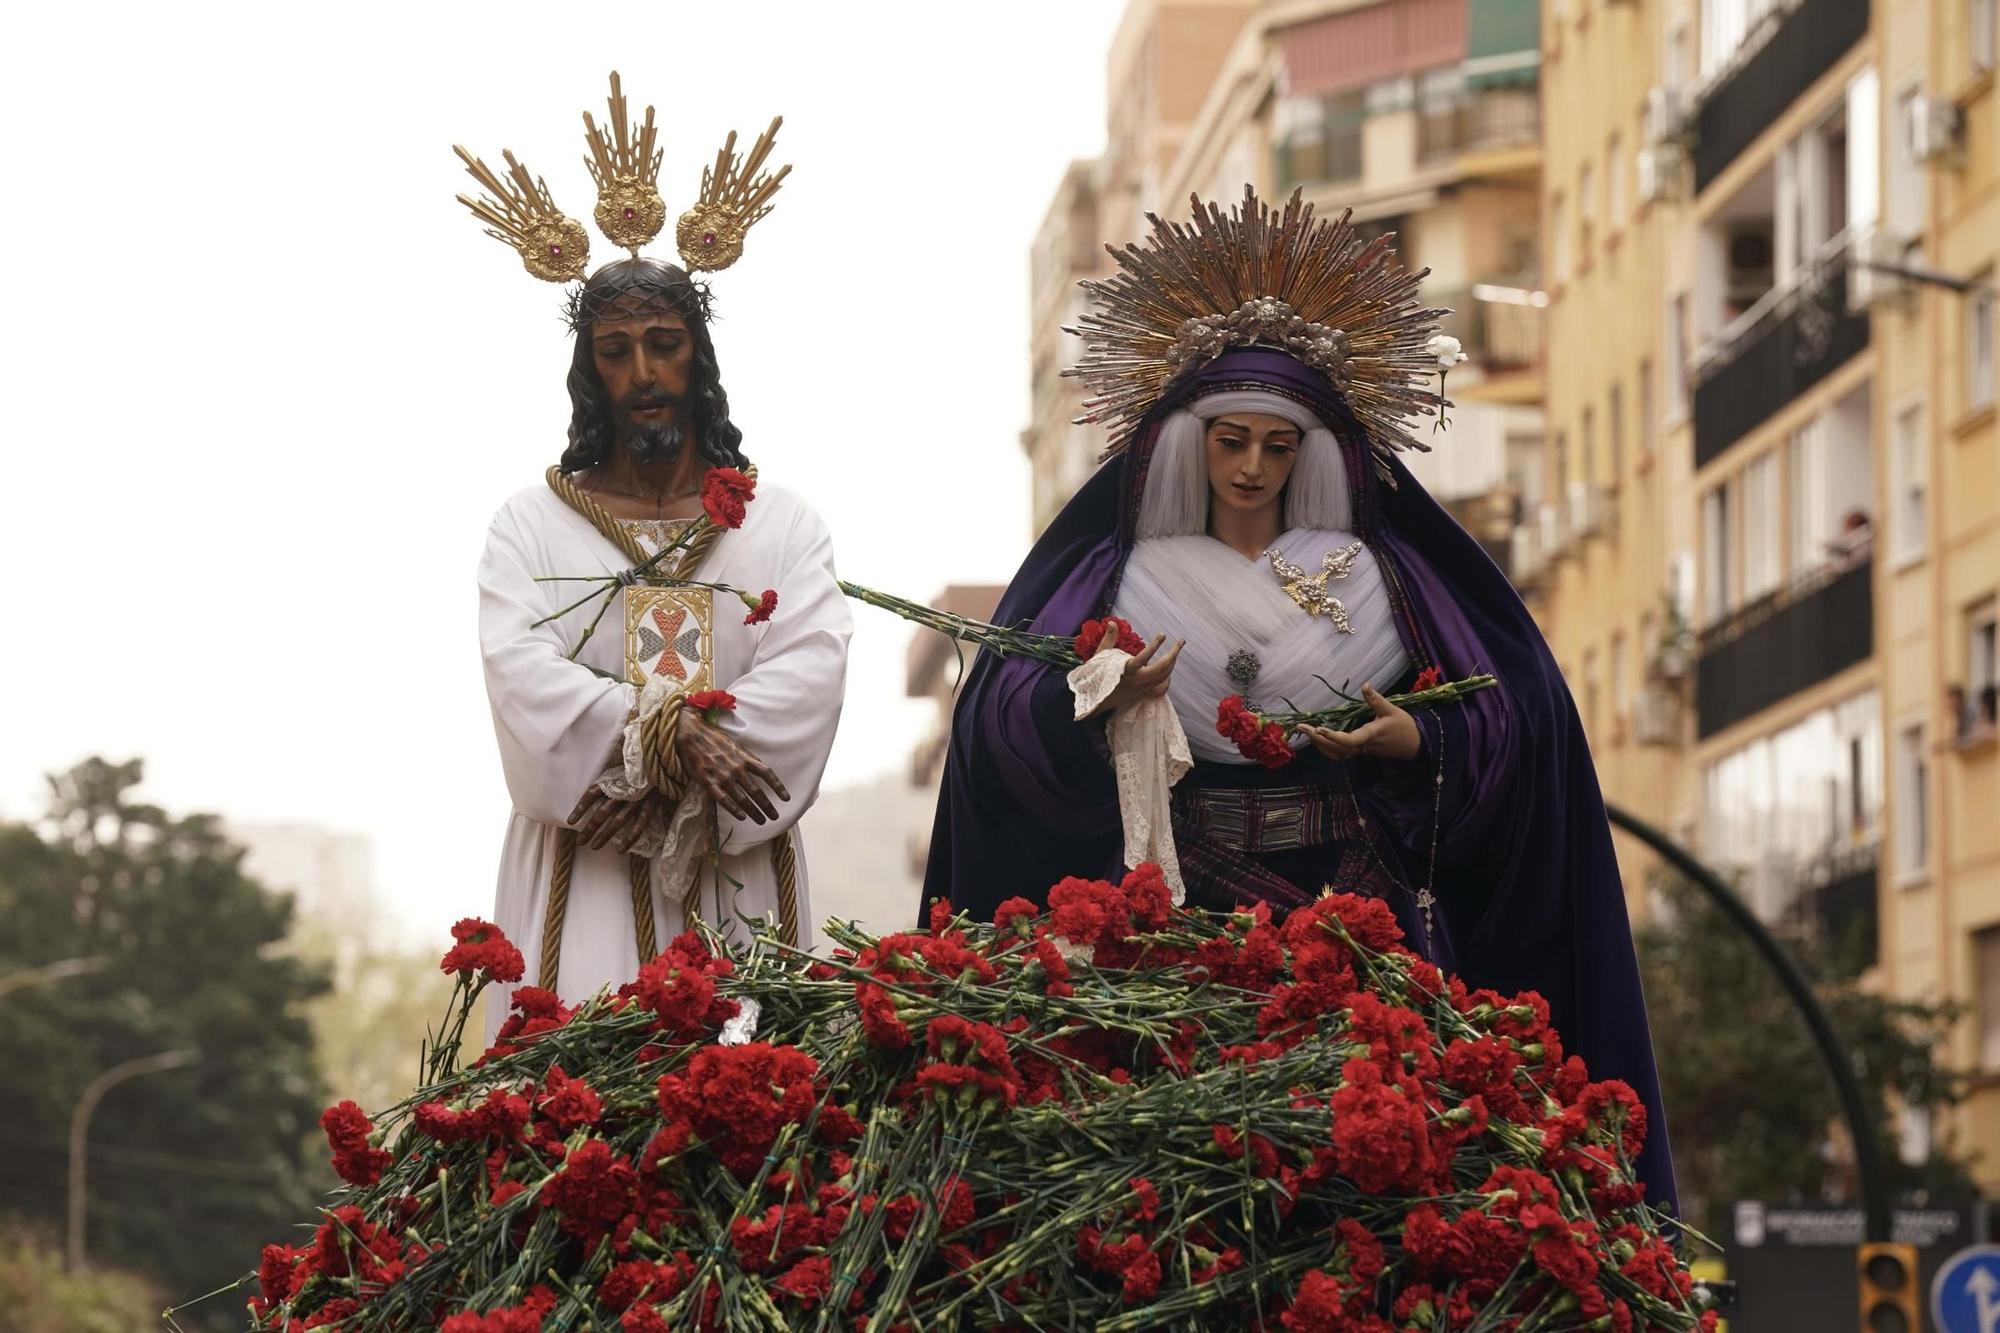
(1372, 44)
(1503, 42)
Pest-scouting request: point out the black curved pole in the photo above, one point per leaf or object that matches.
(1860, 1125)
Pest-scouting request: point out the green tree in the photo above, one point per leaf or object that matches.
(194, 1169)
(1751, 1108)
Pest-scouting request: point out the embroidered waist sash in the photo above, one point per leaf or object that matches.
(1267, 819)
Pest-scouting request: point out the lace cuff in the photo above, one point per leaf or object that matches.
(1149, 754)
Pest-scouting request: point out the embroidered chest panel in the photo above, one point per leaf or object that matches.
(670, 632)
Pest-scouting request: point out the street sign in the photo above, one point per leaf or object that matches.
(1794, 1263)
(1965, 1295)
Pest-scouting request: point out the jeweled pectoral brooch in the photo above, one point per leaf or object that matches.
(1309, 590)
(1242, 668)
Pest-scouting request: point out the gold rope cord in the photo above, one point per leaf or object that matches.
(552, 919)
(661, 752)
(640, 869)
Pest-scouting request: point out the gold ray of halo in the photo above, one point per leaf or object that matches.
(735, 195)
(519, 210)
(626, 168)
(1211, 265)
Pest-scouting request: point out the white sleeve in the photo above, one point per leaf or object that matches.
(558, 722)
(788, 701)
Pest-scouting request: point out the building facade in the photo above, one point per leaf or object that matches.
(1164, 57)
(1773, 541)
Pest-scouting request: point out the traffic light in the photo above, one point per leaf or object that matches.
(1888, 1275)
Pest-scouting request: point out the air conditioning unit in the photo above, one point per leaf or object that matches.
(1663, 116)
(1659, 174)
(1551, 518)
(1875, 252)
(1935, 128)
(1527, 559)
(1655, 714)
(1590, 510)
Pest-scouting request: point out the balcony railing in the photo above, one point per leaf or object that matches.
(1750, 95)
(1497, 335)
(1789, 341)
(1479, 122)
(1814, 628)
(1322, 158)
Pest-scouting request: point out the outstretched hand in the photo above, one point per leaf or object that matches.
(1392, 734)
(1146, 676)
(736, 778)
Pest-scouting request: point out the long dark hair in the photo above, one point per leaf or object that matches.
(643, 282)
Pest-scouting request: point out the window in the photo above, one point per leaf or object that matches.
(1908, 479)
(1559, 239)
(1592, 691)
(1907, 186)
(1717, 591)
(1586, 212)
(1811, 529)
(1984, 24)
(1615, 426)
(1982, 664)
(1559, 458)
(1677, 353)
(1761, 567)
(1614, 183)
(1979, 375)
(1913, 801)
(1589, 458)
(1621, 688)
(1649, 434)
(1803, 802)
(1986, 967)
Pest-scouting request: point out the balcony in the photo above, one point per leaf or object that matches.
(1487, 121)
(1501, 328)
(1821, 624)
(1783, 345)
(1750, 95)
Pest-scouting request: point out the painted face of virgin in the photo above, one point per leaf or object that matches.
(643, 360)
(1250, 457)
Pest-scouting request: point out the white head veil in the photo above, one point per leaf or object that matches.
(1176, 500)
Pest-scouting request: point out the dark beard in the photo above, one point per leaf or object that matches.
(654, 441)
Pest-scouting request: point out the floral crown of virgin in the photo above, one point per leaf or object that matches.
(517, 208)
(1254, 277)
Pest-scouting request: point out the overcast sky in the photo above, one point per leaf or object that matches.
(266, 381)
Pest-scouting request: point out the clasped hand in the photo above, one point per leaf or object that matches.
(1391, 734)
(714, 761)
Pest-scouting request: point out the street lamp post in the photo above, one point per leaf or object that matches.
(79, 1128)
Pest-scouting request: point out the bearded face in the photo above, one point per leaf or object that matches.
(644, 358)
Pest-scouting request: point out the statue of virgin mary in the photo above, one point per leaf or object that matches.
(1260, 372)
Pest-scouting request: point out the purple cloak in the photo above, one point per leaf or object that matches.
(1527, 885)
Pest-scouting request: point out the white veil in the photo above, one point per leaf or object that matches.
(1176, 500)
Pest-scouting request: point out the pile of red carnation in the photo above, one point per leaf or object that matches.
(1112, 1114)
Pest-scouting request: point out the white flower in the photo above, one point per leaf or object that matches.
(739, 1030)
(1446, 349)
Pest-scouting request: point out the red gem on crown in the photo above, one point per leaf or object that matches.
(629, 212)
(708, 238)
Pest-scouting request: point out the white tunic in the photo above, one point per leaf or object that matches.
(1204, 591)
(560, 725)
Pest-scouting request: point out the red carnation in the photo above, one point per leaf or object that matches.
(482, 948)
(711, 704)
(1427, 678)
(760, 607)
(724, 494)
(1236, 723)
(523, 1318)
(358, 1162)
(737, 1098)
(1094, 632)
(1269, 747)
(594, 1191)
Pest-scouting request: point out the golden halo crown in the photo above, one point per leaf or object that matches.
(624, 161)
(1341, 304)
